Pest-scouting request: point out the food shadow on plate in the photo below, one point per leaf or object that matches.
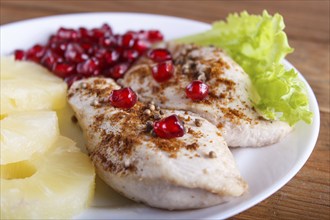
(105, 196)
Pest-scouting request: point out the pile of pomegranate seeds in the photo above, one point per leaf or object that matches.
(123, 98)
(169, 127)
(73, 54)
(197, 90)
(163, 70)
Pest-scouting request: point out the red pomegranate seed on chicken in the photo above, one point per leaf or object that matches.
(154, 35)
(123, 98)
(159, 55)
(197, 90)
(162, 72)
(169, 127)
(19, 55)
(117, 71)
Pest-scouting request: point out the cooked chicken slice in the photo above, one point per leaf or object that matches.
(228, 105)
(193, 171)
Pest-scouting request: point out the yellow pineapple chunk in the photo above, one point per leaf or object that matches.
(28, 86)
(24, 134)
(56, 185)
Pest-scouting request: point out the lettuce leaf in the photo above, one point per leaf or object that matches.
(259, 44)
(281, 95)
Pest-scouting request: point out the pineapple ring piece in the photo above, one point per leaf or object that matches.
(28, 86)
(25, 133)
(56, 185)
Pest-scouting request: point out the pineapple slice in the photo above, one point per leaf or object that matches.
(28, 86)
(24, 134)
(57, 185)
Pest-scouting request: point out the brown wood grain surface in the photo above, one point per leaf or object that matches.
(307, 195)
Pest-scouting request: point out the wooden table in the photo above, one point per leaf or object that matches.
(307, 195)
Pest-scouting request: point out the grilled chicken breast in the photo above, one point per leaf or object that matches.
(193, 171)
(227, 106)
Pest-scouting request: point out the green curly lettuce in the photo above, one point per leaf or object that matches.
(282, 95)
(259, 44)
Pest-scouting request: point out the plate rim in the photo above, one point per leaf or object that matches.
(98, 14)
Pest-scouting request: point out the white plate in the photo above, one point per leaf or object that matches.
(266, 169)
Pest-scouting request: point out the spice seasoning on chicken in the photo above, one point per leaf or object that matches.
(192, 147)
(212, 154)
(140, 116)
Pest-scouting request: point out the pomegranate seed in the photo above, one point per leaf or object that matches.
(107, 29)
(111, 57)
(53, 39)
(154, 36)
(63, 69)
(120, 50)
(87, 47)
(97, 33)
(118, 71)
(131, 32)
(64, 33)
(19, 55)
(58, 47)
(130, 55)
(170, 127)
(35, 53)
(50, 58)
(75, 53)
(117, 38)
(71, 79)
(141, 46)
(127, 40)
(37, 50)
(163, 71)
(108, 57)
(89, 67)
(83, 33)
(197, 90)
(123, 98)
(142, 34)
(159, 55)
(108, 41)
